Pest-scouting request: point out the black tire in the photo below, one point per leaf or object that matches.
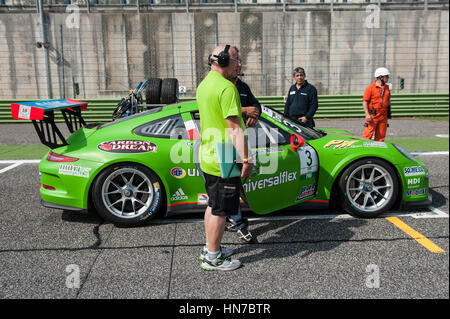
(368, 188)
(153, 91)
(169, 91)
(128, 194)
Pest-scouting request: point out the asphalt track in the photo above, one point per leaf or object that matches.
(307, 254)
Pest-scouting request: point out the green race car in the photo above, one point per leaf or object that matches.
(144, 165)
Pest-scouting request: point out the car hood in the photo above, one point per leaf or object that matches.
(340, 144)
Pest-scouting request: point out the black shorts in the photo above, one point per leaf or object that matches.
(223, 194)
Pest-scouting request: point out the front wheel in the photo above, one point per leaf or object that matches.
(368, 188)
(127, 194)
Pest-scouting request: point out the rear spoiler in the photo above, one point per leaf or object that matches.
(42, 114)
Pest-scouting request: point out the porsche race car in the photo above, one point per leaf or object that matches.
(146, 165)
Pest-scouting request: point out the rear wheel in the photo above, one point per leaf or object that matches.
(127, 194)
(169, 91)
(153, 91)
(368, 188)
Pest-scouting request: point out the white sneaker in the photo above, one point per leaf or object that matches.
(220, 263)
(226, 251)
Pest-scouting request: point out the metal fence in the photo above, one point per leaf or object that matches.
(105, 54)
(343, 106)
(175, 2)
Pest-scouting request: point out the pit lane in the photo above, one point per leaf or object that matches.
(298, 254)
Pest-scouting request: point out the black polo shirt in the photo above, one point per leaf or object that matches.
(301, 102)
(246, 95)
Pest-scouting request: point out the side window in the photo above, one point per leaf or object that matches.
(265, 134)
(196, 118)
(169, 127)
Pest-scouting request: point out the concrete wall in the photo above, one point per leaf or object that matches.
(109, 53)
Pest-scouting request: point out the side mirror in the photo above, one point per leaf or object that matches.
(296, 141)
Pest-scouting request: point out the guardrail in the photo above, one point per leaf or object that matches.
(330, 106)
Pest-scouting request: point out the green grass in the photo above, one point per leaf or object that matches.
(433, 118)
(23, 151)
(422, 144)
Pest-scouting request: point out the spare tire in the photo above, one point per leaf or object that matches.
(169, 91)
(153, 91)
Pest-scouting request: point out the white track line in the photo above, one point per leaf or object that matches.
(10, 167)
(433, 213)
(30, 161)
(429, 153)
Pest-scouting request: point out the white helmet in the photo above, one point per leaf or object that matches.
(381, 72)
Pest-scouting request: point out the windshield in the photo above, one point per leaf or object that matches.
(306, 132)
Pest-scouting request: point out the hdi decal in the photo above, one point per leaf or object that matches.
(127, 146)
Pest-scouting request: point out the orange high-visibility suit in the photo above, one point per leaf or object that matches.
(379, 100)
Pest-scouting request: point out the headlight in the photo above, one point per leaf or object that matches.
(404, 152)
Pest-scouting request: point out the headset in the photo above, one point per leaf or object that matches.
(223, 58)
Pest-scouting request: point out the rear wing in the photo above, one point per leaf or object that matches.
(42, 114)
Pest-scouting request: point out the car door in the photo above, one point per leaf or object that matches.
(283, 176)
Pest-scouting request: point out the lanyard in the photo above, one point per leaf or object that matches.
(382, 94)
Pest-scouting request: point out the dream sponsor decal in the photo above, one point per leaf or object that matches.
(338, 144)
(178, 172)
(416, 192)
(127, 146)
(283, 177)
(414, 170)
(74, 170)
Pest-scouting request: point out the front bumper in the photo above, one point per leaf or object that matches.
(419, 204)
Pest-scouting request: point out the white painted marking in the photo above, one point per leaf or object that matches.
(32, 161)
(441, 135)
(10, 167)
(435, 213)
(429, 153)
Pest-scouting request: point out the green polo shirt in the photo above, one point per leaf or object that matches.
(217, 99)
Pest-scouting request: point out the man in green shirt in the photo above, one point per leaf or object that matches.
(221, 121)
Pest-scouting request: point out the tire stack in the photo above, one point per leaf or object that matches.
(161, 91)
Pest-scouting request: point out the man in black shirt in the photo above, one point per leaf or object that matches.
(251, 110)
(301, 103)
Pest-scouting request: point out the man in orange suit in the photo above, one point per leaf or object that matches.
(377, 104)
